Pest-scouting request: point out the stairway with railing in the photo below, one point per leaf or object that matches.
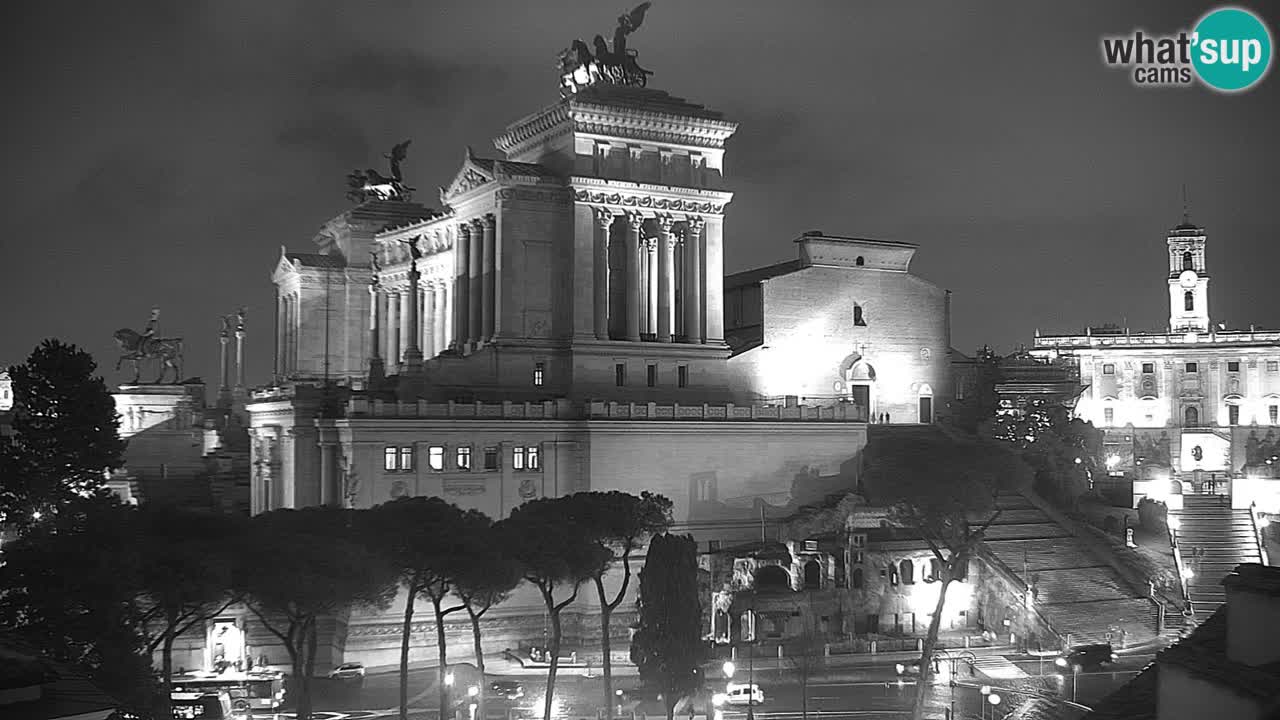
(1212, 540)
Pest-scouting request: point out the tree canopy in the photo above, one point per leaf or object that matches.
(668, 648)
(65, 434)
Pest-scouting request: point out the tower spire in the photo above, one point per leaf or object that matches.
(1186, 207)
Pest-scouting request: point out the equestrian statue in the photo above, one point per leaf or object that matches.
(369, 184)
(579, 68)
(137, 346)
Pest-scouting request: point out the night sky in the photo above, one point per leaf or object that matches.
(160, 153)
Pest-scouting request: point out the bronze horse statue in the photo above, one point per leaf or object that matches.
(135, 346)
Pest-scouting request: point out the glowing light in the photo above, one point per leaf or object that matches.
(994, 699)
(1112, 461)
(900, 668)
(1188, 573)
(1174, 522)
(448, 679)
(719, 699)
(1264, 521)
(1078, 461)
(36, 515)
(1060, 662)
(985, 689)
(729, 668)
(473, 691)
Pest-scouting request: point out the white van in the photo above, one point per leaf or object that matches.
(743, 694)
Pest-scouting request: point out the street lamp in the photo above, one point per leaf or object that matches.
(986, 692)
(729, 668)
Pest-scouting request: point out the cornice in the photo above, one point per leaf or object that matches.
(636, 124)
(538, 126)
(630, 195)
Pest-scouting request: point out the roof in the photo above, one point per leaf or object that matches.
(508, 167)
(316, 260)
(748, 277)
(1252, 577)
(656, 101)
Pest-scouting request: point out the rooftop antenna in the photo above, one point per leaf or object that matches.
(1186, 206)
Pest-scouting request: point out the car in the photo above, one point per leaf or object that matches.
(348, 672)
(507, 689)
(204, 706)
(1087, 657)
(743, 694)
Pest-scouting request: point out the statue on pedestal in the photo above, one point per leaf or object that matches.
(580, 69)
(370, 184)
(137, 346)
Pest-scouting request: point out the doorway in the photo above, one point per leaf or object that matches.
(926, 410)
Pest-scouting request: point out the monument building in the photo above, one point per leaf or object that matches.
(1189, 409)
(559, 324)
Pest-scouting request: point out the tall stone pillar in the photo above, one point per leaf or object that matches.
(279, 364)
(450, 334)
(693, 280)
(475, 303)
(411, 322)
(713, 280)
(666, 277)
(441, 341)
(600, 281)
(634, 222)
(428, 321)
(651, 287)
(328, 497)
(376, 369)
(223, 376)
(240, 350)
(488, 275)
(393, 327)
(461, 294)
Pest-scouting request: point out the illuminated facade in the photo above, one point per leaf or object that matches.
(846, 322)
(1193, 409)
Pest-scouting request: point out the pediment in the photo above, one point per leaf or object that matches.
(469, 177)
(284, 266)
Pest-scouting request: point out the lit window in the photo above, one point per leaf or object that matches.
(532, 460)
(1148, 368)
(1108, 415)
(907, 571)
(620, 374)
(1233, 366)
(858, 541)
(811, 546)
(517, 458)
(1109, 369)
(1273, 366)
(538, 370)
(858, 318)
(463, 458)
(1188, 301)
(406, 458)
(1273, 413)
(1193, 367)
(682, 376)
(435, 457)
(651, 375)
(1233, 414)
(390, 456)
(491, 458)
(857, 557)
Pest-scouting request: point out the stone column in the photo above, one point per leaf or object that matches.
(488, 270)
(376, 368)
(461, 294)
(289, 335)
(651, 279)
(713, 281)
(412, 321)
(240, 350)
(441, 340)
(393, 327)
(693, 276)
(427, 294)
(634, 221)
(450, 333)
(327, 495)
(604, 221)
(279, 364)
(475, 303)
(223, 376)
(666, 278)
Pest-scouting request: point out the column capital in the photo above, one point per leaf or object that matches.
(464, 228)
(694, 223)
(489, 220)
(635, 220)
(666, 223)
(604, 217)
(476, 224)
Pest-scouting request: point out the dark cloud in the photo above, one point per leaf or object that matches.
(326, 132)
(397, 73)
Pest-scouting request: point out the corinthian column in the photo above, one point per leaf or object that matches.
(376, 369)
(488, 271)
(651, 287)
(666, 277)
(393, 327)
(440, 340)
(634, 222)
(600, 282)
(462, 286)
(694, 284)
(474, 263)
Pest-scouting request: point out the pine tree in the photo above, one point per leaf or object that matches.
(668, 647)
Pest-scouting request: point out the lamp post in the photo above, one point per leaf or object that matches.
(448, 694)
(473, 692)
(986, 693)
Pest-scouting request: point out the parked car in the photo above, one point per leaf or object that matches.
(204, 706)
(743, 694)
(352, 672)
(1087, 657)
(507, 689)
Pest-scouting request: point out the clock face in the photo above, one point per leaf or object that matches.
(1188, 278)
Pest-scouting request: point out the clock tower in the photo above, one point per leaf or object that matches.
(1188, 279)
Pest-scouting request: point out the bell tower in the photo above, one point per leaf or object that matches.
(1188, 278)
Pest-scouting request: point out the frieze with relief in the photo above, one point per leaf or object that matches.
(648, 201)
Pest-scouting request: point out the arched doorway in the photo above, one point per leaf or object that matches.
(812, 575)
(859, 381)
(926, 403)
(1191, 416)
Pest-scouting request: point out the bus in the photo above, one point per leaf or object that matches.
(254, 690)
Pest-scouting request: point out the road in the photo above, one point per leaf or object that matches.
(875, 692)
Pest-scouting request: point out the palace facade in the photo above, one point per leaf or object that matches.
(1192, 408)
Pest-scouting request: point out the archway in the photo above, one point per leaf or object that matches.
(812, 575)
(907, 572)
(857, 578)
(859, 380)
(772, 577)
(1191, 416)
(925, 395)
(1175, 487)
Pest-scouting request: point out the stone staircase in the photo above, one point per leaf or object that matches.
(1077, 591)
(1226, 538)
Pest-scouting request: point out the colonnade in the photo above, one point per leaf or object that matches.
(435, 319)
(650, 277)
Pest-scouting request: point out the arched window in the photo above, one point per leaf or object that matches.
(1191, 416)
(858, 318)
(857, 579)
(935, 570)
(1188, 261)
(1188, 300)
(812, 575)
(859, 262)
(907, 571)
(1175, 487)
